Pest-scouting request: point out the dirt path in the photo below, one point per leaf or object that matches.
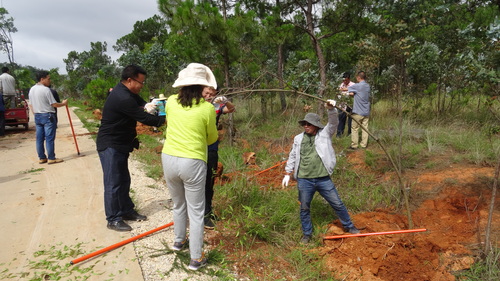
(57, 205)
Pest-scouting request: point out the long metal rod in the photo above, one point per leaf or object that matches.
(72, 130)
(119, 244)
(374, 233)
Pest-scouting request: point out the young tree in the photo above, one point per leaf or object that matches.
(6, 29)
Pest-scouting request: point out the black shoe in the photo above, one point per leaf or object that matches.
(352, 230)
(134, 216)
(353, 148)
(119, 226)
(209, 224)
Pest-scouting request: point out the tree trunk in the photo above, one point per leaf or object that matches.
(492, 208)
(280, 77)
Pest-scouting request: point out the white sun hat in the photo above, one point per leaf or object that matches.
(195, 74)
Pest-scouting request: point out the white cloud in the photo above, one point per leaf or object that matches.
(49, 30)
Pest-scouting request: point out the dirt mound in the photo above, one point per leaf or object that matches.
(450, 201)
(454, 214)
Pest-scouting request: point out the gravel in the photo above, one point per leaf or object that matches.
(152, 199)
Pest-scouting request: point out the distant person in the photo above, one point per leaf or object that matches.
(56, 97)
(222, 106)
(360, 111)
(161, 102)
(116, 138)
(343, 119)
(44, 106)
(312, 160)
(2, 116)
(191, 128)
(8, 88)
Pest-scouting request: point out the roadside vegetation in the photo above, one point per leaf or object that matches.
(432, 66)
(264, 216)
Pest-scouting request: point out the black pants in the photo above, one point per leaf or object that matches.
(2, 123)
(342, 122)
(213, 159)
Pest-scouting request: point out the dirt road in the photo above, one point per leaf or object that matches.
(58, 205)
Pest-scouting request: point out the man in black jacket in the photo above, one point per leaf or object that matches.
(116, 139)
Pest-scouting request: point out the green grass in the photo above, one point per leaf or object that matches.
(485, 269)
(254, 214)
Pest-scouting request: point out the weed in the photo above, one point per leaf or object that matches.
(52, 264)
(487, 268)
(32, 170)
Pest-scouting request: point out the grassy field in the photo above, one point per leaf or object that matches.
(256, 215)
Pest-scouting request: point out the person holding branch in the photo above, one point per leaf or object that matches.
(312, 160)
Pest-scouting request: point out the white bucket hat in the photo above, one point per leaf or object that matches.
(195, 74)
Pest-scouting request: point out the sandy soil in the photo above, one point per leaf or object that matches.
(59, 209)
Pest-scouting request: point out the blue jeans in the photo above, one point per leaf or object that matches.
(117, 201)
(326, 188)
(45, 132)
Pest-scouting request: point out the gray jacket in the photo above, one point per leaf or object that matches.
(323, 143)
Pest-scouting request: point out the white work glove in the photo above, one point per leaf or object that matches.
(285, 181)
(331, 102)
(150, 107)
(221, 99)
(346, 93)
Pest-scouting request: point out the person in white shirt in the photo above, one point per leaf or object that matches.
(8, 88)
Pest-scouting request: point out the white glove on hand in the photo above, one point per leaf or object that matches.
(221, 99)
(150, 107)
(285, 181)
(331, 102)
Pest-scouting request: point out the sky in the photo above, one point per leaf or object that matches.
(48, 30)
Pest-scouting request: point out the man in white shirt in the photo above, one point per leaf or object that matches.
(8, 88)
(43, 104)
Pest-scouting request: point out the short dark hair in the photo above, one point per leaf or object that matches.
(362, 75)
(41, 74)
(5, 69)
(132, 71)
(346, 75)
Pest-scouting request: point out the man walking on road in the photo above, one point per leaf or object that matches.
(360, 111)
(44, 108)
(8, 88)
(116, 139)
(312, 160)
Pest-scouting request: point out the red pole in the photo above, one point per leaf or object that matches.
(270, 168)
(119, 244)
(73, 131)
(374, 233)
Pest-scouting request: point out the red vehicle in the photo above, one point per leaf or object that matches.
(19, 115)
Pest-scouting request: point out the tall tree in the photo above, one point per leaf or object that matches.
(321, 20)
(154, 28)
(6, 29)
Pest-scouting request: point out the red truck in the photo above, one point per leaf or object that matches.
(19, 115)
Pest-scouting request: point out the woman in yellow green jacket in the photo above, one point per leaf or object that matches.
(190, 129)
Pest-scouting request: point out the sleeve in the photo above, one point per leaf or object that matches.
(135, 110)
(292, 157)
(352, 89)
(333, 122)
(212, 134)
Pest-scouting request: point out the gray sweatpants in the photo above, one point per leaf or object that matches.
(185, 179)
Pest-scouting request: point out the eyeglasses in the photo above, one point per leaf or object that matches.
(304, 124)
(143, 82)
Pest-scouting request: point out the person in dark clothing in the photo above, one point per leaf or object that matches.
(2, 116)
(116, 138)
(222, 106)
(343, 118)
(57, 98)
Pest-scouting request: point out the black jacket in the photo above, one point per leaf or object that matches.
(121, 112)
